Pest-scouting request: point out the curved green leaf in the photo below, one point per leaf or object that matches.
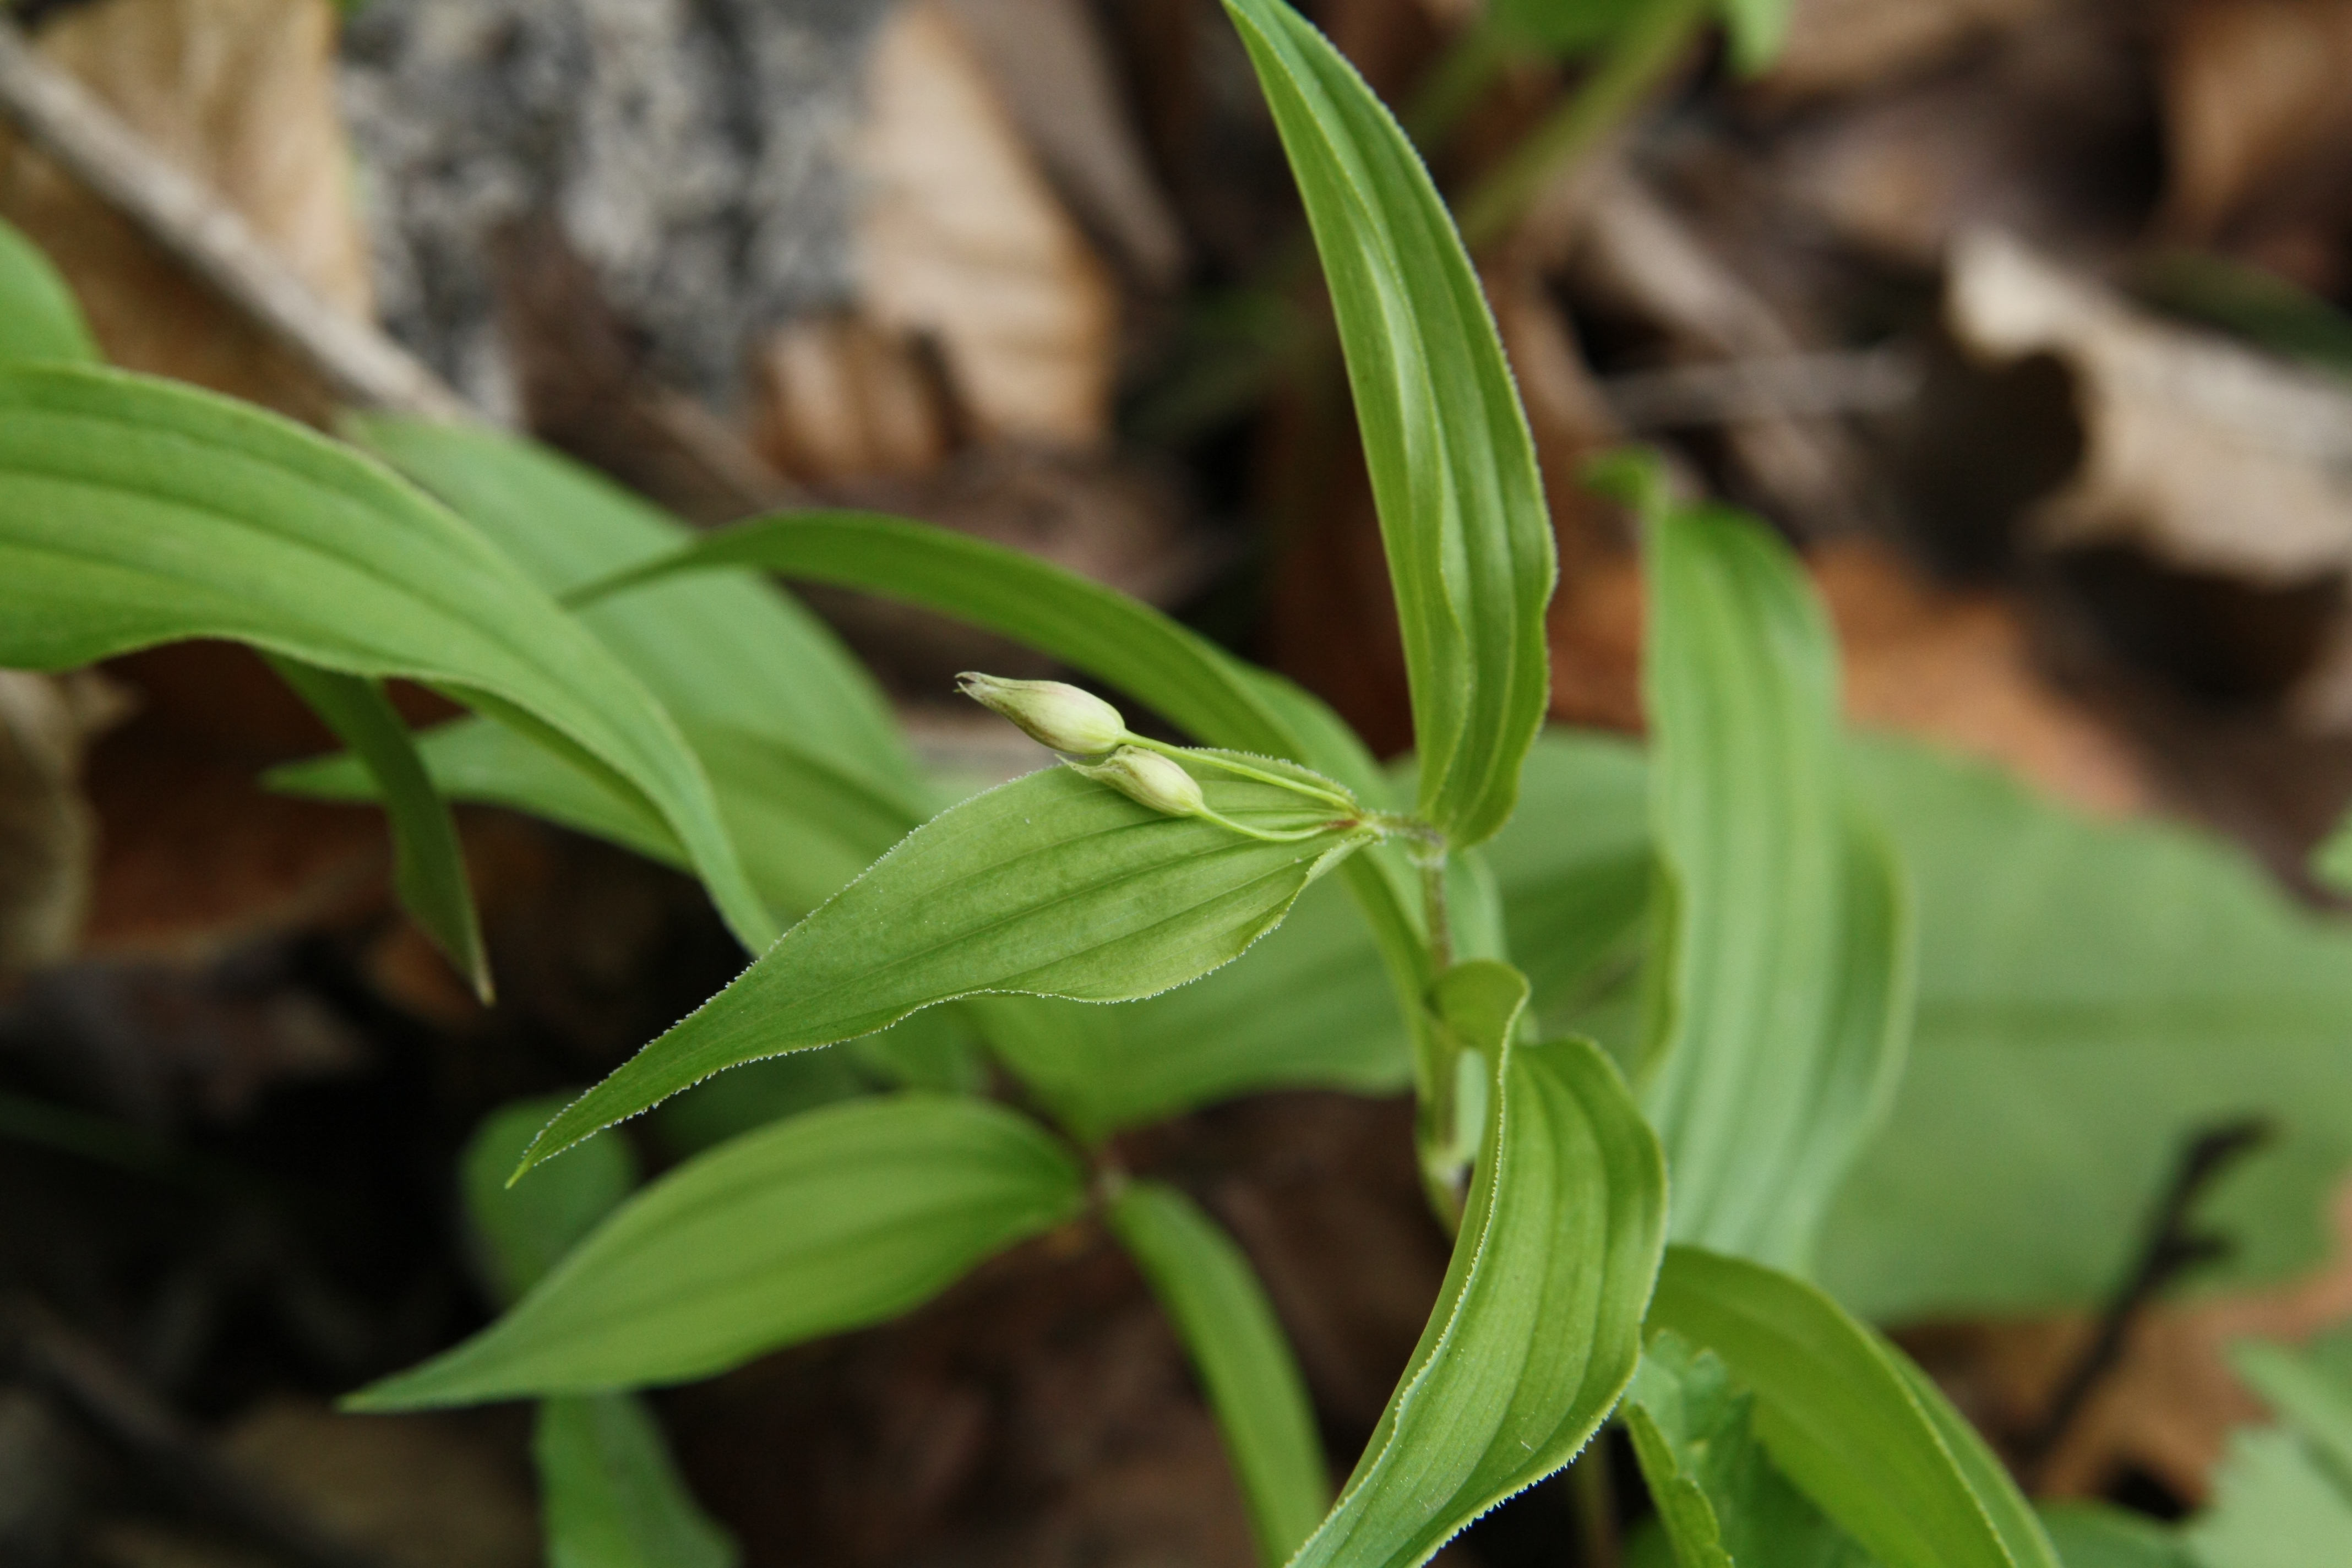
(802, 829)
(1758, 28)
(1538, 1327)
(1236, 1343)
(1576, 868)
(1307, 1007)
(842, 1217)
(1188, 679)
(2092, 997)
(40, 320)
(2095, 1535)
(520, 1232)
(2274, 1505)
(1721, 1500)
(1453, 467)
(1191, 681)
(134, 512)
(1874, 1445)
(428, 865)
(1052, 885)
(611, 1495)
(729, 651)
(1782, 1001)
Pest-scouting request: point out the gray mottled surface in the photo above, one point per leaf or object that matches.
(691, 151)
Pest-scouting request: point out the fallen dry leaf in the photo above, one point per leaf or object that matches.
(240, 94)
(2168, 1405)
(1952, 668)
(48, 832)
(194, 856)
(1957, 669)
(962, 239)
(2035, 133)
(841, 398)
(1632, 251)
(2207, 455)
(1049, 62)
(430, 1491)
(2255, 114)
(1842, 45)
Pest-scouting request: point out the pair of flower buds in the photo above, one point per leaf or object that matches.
(1080, 725)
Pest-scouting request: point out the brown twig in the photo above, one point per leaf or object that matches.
(82, 1378)
(64, 119)
(2174, 1246)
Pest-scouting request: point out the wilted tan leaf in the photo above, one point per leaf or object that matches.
(1048, 61)
(1952, 668)
(962, 239)
(48, 835)
(2206, 453)
(422, 1491)
(840, 398)
(1956, 669)
(1841, 46)
(2166, 1407)
(2254, 101)
(239, 93)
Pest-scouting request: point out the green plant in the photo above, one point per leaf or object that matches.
(1750, 920)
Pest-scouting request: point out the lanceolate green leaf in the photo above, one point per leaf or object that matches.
(2275, 1505)
(1575, 866)
(520, 1232)
(611, 1497)
(1870, 1441)
(1757, 28)
(2314, 1401)
(1453, 468)
(812, 778)
(1308, 1006)
(802, 827)
(1781, 1003)
(429, 866)
(2093, 995)
(2095, 1535)
(1721, 1500)
(1052, 885)
(39, 322)
(1191, 681)
(728, 649)
(1183, 677)
(839, 1218)
(1235, 1341)
(134, 512)
(1538, 1328)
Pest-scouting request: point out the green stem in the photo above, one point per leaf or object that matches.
(1296, 786)
(1461, 76)
(1265, 835)
(1640, 56)
(1433, 895)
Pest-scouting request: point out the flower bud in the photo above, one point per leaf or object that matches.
(1150, 778)
(1060, 717)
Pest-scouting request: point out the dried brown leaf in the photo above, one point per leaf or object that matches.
(1845, 45)
(842, 399)
(963, 241)
(2254, 108)
(1049, 61)
(2207, 455)
(239, 93)
(47, 833)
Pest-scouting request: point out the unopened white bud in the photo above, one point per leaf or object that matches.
(1148, 778)
(1054, 715)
